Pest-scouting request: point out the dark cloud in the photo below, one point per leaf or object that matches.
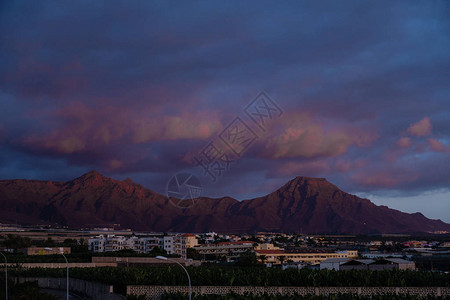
(137, 89)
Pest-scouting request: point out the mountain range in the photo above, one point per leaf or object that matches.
(303, 204)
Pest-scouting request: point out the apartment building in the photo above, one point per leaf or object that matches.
(173, 244)
(229, 249)
(271, 254)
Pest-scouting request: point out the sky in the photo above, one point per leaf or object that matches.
(244, 95)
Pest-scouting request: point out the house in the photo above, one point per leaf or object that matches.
(333, 263)
(191, 240)
(378, 265)
(231, 250)
(45, 251)
(276, 255)
(357, 264)
(295, 265)
(402, 264)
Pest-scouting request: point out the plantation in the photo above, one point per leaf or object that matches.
(233, 296)
(24, 291)
(242, 276)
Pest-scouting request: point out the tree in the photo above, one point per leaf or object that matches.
(263, 258)
(49, 242)
(247, 259)
(70, 242)
(192, 253)
(13, 241)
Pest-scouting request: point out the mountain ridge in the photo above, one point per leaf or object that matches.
(303, 204)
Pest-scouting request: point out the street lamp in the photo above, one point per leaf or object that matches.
(189, 278)
(67, 271)
(6, 275)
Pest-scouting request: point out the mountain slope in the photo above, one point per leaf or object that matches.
(311, 205)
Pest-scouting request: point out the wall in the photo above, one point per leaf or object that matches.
(142, 260)
(63, 265)
(283, 290)
(93, 290)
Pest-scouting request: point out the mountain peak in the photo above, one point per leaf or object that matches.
(128, 180)
(309, 181)
(304, 204)
(92, 177)
(92, 173)
(306, 178)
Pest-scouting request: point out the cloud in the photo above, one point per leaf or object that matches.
(404, 142)
(186, 126)
(83, 128)
(302, 137)
(437, 146)
(421, 128)
(134, 90)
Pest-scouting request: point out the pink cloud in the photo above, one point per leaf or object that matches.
(114, 164)
(185, 126)
(81, 128)
(421, 128)
(437, 146)
(303, 137)
(404, 142)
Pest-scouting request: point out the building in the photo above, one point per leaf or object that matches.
(231, 250)
(112, 242)
(191, 240)
(175, 244)
(357, 264)
(46, 251)
(392, 263)
(378, 265)
(108, 243)
(144, 244)
(333, 263)
(179, 245)
(275, 255)
(295, 265)
(381, 255)
(168, 244)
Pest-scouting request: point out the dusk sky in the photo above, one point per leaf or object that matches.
(139, 88)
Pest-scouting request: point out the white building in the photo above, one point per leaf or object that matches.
(111, 242)
(173, 244)
(168, 244)
(333, 263)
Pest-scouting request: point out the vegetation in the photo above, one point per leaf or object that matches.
(247, 296)
(24, 291)
(243, 276)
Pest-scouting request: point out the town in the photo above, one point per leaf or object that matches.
(377, 252)
(104, 255)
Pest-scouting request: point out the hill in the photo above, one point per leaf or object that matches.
(304, 204)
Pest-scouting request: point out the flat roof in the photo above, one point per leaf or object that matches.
(336, 260)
